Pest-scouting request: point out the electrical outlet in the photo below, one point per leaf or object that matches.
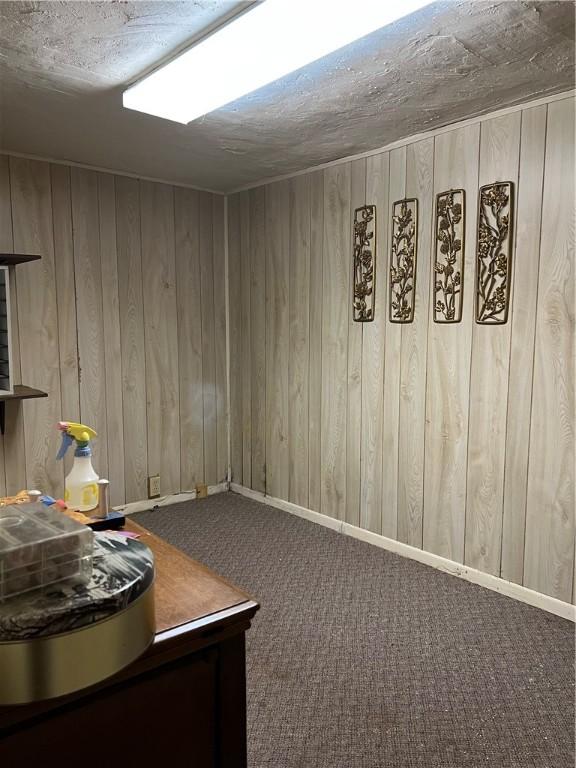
(154, 486)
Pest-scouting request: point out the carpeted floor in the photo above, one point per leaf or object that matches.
(360, 658)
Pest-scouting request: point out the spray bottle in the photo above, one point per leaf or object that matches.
(81, 489)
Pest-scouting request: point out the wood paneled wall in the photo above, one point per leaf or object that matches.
(122, 322)
(458, 439)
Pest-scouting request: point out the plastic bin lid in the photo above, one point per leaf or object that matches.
(28, 525)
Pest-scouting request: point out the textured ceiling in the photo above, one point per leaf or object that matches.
(63, 66)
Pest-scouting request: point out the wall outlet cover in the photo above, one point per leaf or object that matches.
(154, 486)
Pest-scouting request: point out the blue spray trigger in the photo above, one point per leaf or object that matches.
(67, 441)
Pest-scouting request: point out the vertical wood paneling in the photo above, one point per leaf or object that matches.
(208, 338)
(299, 340)
(112, 346)
(65, 294)
(132, 338)
(246, 358)
(235, 299)
(523, 321)
(85, 218)
(355, 330)
(218, 227)
(548, 565)
(277, 338)
(448, 373)
(399, 439)
(373, 342)
(160, 333)
(187, 240)
(499, 158)
(335, 308)
(419, 184)
(33, 233)
(258, 335)
(113, 343)
(315, 367)
(12, 460)
(391, 406)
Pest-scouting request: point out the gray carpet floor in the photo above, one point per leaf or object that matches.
(360, 658)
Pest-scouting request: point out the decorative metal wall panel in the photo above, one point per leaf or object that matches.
(403, 255)
(494, 253)
(364, 263)
(449, 257)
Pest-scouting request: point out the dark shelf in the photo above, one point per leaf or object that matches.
(23, 393)
(10, 259)
(20, 393)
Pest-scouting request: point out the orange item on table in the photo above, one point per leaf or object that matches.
(20, 498)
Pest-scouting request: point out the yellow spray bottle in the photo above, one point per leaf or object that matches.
(81, 489)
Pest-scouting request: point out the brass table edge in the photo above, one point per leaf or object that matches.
(46, 667)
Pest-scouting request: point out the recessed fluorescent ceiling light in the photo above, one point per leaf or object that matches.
(265, 43)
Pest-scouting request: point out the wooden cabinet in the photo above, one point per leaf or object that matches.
(182, 703)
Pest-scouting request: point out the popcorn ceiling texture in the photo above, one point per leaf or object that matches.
(64, 65)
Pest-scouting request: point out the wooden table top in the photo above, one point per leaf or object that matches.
(194, 608)
(185, 590)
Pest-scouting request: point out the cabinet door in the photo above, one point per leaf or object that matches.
(5, 336)
(163, 717)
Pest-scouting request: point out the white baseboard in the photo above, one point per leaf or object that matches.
(288, 506)
(164, 501)
(496, 584)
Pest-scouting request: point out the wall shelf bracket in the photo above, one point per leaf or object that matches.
(20, 393)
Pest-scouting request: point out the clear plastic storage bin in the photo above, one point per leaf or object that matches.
(40, 546)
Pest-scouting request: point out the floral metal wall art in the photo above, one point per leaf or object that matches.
(449, 258)
(364, 263)
(494, 254)
(403, 260)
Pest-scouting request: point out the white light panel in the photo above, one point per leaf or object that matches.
(267, 42)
